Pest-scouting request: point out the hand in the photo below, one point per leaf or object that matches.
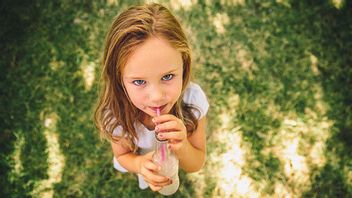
(173, 129)
(149, 171)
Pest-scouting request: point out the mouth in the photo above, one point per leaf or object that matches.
(159, 107)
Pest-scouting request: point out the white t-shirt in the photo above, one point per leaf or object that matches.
(194, 96)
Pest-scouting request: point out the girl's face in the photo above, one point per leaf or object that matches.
(152, 76)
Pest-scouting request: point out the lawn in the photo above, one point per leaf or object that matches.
(278, 76)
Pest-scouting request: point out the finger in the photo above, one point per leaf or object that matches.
(172, 136)
(164, 118)
(153, 177)
(154, 187)
(158, 179)
(172, 125)
(163, 183)
(167, 182)
(151, 166)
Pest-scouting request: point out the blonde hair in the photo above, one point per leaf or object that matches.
(128, 31)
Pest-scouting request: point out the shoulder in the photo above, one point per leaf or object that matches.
(195, 96)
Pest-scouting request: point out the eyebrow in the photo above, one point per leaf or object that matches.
(136, 77)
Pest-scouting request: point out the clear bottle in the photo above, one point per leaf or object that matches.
(169, 166)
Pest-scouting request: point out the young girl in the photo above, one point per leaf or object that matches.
(147, 68)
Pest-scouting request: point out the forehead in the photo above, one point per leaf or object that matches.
(154, 56)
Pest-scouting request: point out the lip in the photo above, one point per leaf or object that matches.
(160, 107)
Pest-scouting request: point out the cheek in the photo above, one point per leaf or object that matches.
(132, 94)
(176, 91)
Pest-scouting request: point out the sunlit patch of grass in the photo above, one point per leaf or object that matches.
(17, 166)
(245, 59)
(88, 73)
(231, 178)
(338, 4)
(295, 165)
(112, 2)
(56, 160)
(220, 20)
(233, 2)
(176, 4)
(228, 159)
(199, 182)
(55, 65)
(347, 170)
(300, 145)
(281, 190)
(314, 64)
(185, 4)
(284, 2)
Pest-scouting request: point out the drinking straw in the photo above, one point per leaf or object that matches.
(158, 111)
(163, 146)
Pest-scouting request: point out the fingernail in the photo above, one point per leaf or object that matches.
(153, 119)
(160, 135)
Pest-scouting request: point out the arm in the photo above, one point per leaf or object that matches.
(192, 154)
(126, 157)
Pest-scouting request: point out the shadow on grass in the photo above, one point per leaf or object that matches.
(21, 98)
(332, 29)
(260, 75)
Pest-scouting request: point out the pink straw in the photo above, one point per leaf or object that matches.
(163, 147)
(158, 111)
(163, 152)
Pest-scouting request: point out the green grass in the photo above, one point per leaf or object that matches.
(278, 79)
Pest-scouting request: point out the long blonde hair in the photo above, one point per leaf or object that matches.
(128, 31)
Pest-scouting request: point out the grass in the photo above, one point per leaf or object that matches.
(277, 75)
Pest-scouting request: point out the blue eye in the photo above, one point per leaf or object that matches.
(139, 82)
(167, 77)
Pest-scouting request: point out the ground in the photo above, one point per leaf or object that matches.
(277, 75)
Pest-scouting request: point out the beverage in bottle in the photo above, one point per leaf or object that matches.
(169, 166)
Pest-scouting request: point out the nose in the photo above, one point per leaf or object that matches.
(156, 94)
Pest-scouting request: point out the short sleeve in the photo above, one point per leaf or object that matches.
(195, 96)
(117, 131)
